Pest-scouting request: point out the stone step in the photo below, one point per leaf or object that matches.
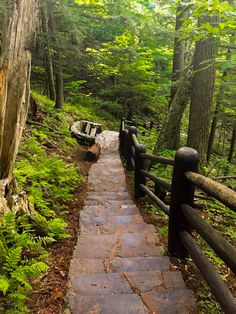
(98, 211)
(118, 245)
(99, 284)
(110, 187)
(130, 264)
(106, 202)
(178, 301)
(107, 304)
(114, 228)
(117, 220)
(117, 283)
(118, 265)
(110, 195)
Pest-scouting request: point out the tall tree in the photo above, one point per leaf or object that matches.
(232, 144)
(179, 51)
(45, 9)
(201, 94)
(15, 67)
(169, 136)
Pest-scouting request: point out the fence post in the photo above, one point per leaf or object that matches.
(140, 164)
(125, 146)
(121, 125)
(132, 130)
(182, 192)
(121, 136)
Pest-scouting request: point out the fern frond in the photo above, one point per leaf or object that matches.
(4, 284)
(13, 258)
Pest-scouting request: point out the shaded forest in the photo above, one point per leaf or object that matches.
(169, 65)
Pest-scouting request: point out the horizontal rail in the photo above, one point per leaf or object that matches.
(218, 287)
(221, 246)
(129, 121)
(135, 140)
(155, 199)
(219, 191)
(158, 159)
(165, 185)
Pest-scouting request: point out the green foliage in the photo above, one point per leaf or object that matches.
(47, 179)
(16, 267)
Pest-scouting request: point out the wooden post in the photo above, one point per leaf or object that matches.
(132, 130)
(140, 164)
(122, 124)
(125, 148)
(182, 192)
(121, 136)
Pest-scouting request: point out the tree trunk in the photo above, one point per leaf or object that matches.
(178, 56)
(232, 144)
(59, 89)
(201, 97)
(15, 67)
(48, 51)
(57, 63)
(218, 106)
(212, 132)
(169, 135)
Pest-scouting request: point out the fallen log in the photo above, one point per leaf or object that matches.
(93, 153)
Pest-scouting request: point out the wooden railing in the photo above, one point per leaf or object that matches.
(183, 218)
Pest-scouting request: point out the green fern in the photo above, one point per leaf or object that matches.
(4, 284)
(13, 257)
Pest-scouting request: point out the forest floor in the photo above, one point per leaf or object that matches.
(49, 290)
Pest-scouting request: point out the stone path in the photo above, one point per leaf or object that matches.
(118, 267)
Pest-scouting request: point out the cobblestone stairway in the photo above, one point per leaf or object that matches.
(118, 266)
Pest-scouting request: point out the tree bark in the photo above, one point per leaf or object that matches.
(212, 132)
(59, 88)
(218, 105)
(169, 136)
(201, 96)
(48, 51)
(232, 144)
(178, 56)
(57, 62)
(93, 152)
(15, 67)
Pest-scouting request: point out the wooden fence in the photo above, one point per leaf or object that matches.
(183, 218)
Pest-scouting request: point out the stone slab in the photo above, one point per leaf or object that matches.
(86, 266)
(114, 228)
(139, 244)
(145, 281)
(116, 220)
(112, 304)
(140, 263)
(95, 246)
(100, 284)
(179, 301)
(173, 280)
(98, 211)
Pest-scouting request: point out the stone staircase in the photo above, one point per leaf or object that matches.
(118, 265)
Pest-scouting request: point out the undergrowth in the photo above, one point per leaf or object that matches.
(46, 178)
